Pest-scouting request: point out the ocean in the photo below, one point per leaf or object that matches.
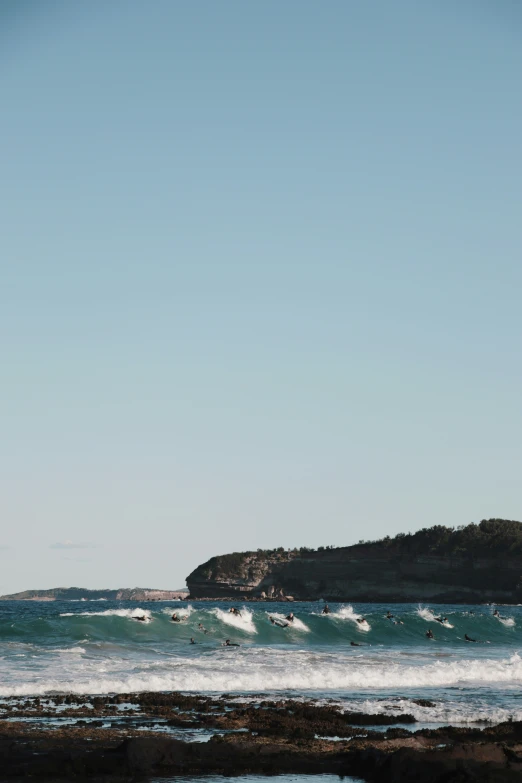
(100, 647)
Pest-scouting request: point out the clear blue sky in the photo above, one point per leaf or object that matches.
(260, 278)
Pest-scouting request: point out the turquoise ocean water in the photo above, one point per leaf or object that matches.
(100, 647)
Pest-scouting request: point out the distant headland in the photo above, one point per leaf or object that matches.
(476, 563)
(82, 594)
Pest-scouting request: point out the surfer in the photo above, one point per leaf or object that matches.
(468, 638)
(355, 644)
(429, 634)
(141, 619)
(235, 611)
(279, 623)
(228, 643)
(175, 618)
(361, 620)
(496, 613)
(389, 615)
(290, 617)
(200, 628)
(326, 609)
(192, 641)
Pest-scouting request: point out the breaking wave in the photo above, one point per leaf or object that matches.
(252, 670)
(131, 614)
(243, 622)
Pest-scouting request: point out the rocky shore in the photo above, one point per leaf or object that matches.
(136, 736)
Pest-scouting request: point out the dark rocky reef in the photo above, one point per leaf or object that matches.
(275, 737)
(476, 563)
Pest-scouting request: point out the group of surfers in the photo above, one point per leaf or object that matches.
(290, 618)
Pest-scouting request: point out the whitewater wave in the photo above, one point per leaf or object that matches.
(244, 622)
(296, 624)
(428, 615)
(244, 670)
(348, 613)
(131, 614)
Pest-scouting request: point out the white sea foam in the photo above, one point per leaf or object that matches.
(258, 670)
(72, 650)
(245, 622)
(132, 614)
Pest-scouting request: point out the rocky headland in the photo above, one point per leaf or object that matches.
(472, 564)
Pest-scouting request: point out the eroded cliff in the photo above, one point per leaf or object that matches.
(477, 563)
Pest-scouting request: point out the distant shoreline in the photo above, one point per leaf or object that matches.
(85, 594)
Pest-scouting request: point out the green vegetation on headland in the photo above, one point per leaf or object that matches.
(471, 562)
(491, 536)
(82, 594)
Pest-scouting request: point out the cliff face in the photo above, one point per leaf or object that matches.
(382, 571)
